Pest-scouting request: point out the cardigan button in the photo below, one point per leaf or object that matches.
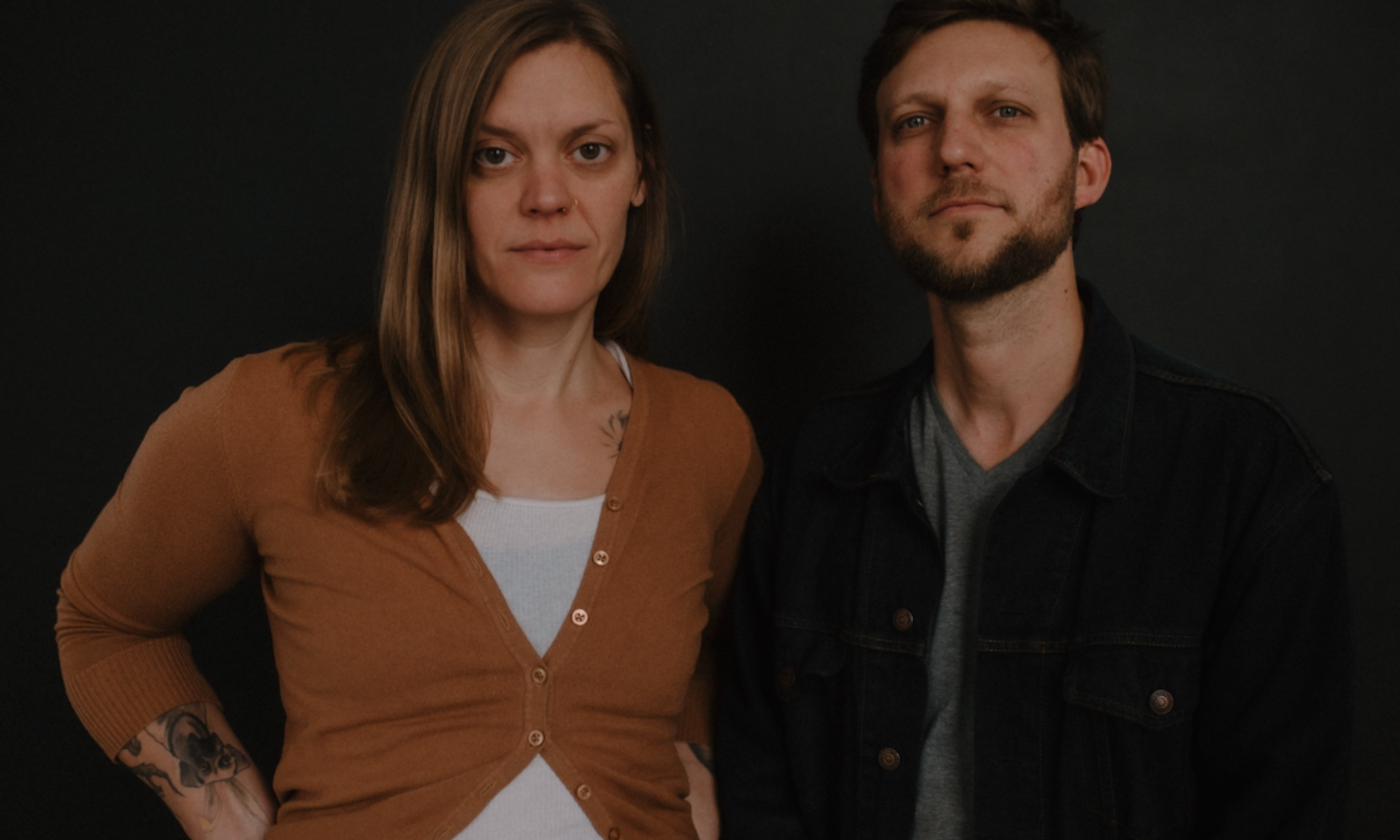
(902, 620)
(614, 834)
(1161, 701)
(583, 791)
(536, 738)
(539, 675)
(580, 617)
(787, 677)
(600, 558)
(614, 504)
(888, 758)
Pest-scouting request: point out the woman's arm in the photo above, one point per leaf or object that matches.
(741, 486)
(170, 540)
(704, 811)
(192, 760)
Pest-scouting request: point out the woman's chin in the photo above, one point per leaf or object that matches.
(544, 292)
(548, 311)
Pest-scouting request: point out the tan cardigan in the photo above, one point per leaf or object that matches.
(411, 695)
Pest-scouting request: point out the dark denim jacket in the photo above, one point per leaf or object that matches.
(1162, 638)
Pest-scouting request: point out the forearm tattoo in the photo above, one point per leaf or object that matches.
(614, 430)
(201, 757)
(150, 774)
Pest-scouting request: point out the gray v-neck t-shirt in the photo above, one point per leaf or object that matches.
(959, 497)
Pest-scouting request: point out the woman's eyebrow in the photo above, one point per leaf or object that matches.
(498, 131)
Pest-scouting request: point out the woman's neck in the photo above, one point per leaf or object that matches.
(559, 406)
(537, 359)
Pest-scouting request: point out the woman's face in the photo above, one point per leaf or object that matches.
(552, 174)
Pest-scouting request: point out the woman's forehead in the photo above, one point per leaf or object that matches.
(564, 83)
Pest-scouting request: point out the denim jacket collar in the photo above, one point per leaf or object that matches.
(1093, 450)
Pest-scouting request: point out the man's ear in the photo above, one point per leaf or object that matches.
(1091, 172)
(875, 192)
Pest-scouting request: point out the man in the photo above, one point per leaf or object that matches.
(1048, 581)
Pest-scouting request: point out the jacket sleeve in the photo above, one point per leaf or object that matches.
(169, 541)
(1273, 726)
(752, 763)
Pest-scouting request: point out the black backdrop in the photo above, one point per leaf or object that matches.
(183, 183)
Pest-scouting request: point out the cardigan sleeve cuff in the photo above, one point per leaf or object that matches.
(116, 697)
(693, 725)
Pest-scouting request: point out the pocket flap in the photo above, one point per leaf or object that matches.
(1153, 686)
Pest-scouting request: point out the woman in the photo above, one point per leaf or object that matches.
(489, 538)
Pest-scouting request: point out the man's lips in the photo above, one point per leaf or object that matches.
(964, 205)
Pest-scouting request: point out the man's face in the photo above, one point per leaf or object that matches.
(976, 180)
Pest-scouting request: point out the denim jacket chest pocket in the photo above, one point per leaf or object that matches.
(1128, 738)
(809, 657)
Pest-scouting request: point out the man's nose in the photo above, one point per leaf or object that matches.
(959, 144)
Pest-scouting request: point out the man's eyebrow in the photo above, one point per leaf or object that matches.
(988, 88)
(915, 98)
(1008, 87)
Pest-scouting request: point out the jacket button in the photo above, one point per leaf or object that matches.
(787, 677)
(888, 758)
(584, 791)
(580, 617)
(903, 620)
(601, 558)
(536, 737)
(539, 675)
(1161, 701)
(614, 834)
(614, 504)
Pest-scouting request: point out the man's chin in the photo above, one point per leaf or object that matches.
(972, 277)
(959, 268)
(963, 254)
(969, 293)
(966, 266)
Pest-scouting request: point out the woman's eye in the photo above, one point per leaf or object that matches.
(591, 152)
(493, 157)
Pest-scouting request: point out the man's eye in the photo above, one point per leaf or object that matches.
(1008, 111)
(914, 122)
(493, 156)
(592, 152)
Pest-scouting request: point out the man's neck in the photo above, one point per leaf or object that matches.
(1002, 366)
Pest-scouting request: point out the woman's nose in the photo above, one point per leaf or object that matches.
(547, 191)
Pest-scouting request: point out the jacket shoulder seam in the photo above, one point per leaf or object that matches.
(1226, 387)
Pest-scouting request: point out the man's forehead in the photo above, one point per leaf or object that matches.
(973, 57)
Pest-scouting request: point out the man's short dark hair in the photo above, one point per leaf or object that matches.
(1083, 73)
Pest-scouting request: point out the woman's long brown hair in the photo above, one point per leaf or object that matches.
(407, 430)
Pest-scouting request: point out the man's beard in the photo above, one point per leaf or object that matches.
(1022, 257)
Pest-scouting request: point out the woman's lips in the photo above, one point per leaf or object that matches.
(553, 251)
